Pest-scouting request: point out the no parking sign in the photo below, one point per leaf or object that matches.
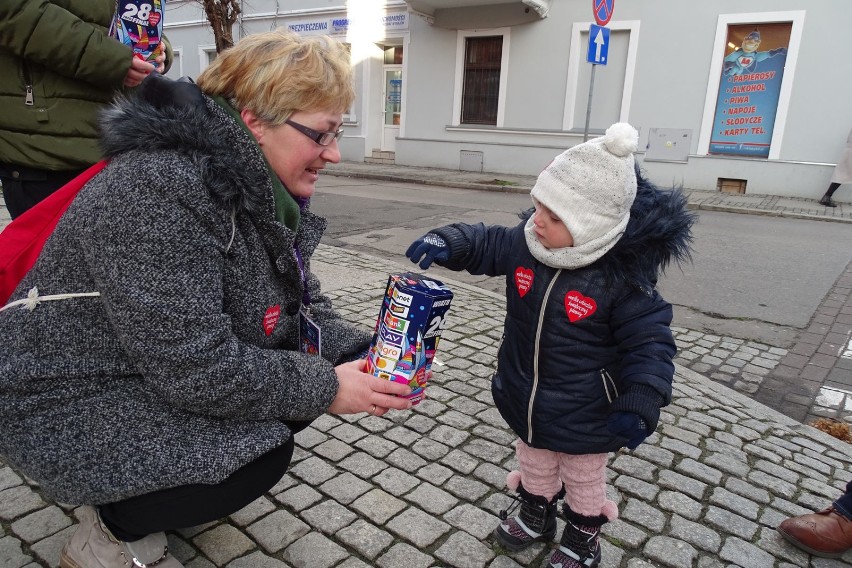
(602, 10)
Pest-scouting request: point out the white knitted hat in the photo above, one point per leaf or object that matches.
(591, 188)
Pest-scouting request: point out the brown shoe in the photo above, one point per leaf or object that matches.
(827, 534)
(94, 546)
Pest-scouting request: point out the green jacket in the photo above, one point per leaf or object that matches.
(58, 56)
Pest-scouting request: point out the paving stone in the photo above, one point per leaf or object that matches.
(257, 560)
(733, 502)
(672, 480)
(329, 516)
(460, 461)
(730, 522)
(47, 550)
(675, 502)
(635, 467)
(18, 501)
(395, 481)
(637, 487)
(464, 551)
(299, 497)
(314, 550)
(11, 555)
(345, 488)
(695, 534)
(644, 515)
(432, 499)
(278, 530)
(378, 506)
(626, 533)
(403, 555)
(222, 544)
(314, 470)
(466, 488)
(8, 478)
(363, 465)
(743, 553)
(253, 511)
(40, 524)
(672, 552)
(406, 460)
(435, 473)
(472, 520)
(368, 540)
(418, 527)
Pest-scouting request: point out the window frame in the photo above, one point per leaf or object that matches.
(461, 44)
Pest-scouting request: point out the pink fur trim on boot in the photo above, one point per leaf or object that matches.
(610, 510)
(513, 480)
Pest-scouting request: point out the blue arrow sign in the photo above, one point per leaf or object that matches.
(598, 45)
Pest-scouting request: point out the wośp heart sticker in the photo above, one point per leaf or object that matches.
(579, 306)
(523, 280)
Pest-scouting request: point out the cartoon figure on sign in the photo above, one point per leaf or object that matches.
(745, 58)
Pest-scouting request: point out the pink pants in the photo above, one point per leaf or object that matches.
(543, 472)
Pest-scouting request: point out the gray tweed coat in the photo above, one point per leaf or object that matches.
(170, 376)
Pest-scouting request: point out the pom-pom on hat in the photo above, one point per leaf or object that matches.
(591, 188)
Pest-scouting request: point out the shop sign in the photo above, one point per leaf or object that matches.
(749, 89)
(341, 25)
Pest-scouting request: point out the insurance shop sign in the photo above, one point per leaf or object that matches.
(750, 87)
(343, 24)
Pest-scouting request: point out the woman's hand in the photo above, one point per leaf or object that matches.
(360, 392)
(140, 69)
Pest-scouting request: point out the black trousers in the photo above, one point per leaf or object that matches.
(24, 187)
(197, 504)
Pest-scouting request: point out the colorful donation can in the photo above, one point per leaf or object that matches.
(139, 24)
(410, 322)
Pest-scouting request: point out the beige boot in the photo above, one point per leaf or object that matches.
(93, 546)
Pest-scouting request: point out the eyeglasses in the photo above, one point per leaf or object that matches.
(321, 138)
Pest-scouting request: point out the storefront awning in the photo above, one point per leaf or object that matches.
(468, 14)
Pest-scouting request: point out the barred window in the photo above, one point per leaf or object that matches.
(481, 86)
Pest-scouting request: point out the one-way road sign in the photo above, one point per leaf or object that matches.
(598, 45)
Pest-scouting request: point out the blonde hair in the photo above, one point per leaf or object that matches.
(275, 74)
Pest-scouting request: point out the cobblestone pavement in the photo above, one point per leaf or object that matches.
(421, 488)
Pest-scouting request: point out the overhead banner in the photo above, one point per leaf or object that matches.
(749, 89)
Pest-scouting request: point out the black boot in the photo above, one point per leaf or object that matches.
(580, 545)
(535, 523)
(826, 199)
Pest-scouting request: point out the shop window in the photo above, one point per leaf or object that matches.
(481, 87)
(393, 55)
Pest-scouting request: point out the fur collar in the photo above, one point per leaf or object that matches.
(166, 115)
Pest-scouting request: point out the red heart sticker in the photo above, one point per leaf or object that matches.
(579, 306)
(523, 280)
(270, 319)
(154, 19)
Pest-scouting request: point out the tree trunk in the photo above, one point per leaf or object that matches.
(222, 14)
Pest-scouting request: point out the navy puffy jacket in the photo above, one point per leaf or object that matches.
(581, 344)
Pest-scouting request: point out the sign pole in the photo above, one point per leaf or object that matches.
(589, 106)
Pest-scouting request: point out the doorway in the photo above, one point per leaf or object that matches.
(391, 96)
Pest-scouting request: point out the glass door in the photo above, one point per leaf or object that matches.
(393, 105)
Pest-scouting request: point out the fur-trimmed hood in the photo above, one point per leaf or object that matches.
(659, 232)
(163, 114)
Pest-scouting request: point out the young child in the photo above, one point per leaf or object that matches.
(586, 359)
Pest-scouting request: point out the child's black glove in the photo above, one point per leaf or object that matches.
(629, 425)
(431, 247)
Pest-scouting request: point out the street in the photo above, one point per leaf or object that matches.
(753, 277)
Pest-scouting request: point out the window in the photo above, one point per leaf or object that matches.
(481, 87)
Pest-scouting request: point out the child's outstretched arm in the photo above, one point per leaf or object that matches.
(430, 247)
(475, 248)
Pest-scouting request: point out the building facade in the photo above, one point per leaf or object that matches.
(729, 96)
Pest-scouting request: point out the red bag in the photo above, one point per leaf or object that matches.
(22, 240)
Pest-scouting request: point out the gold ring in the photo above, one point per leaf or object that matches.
(373, 410)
